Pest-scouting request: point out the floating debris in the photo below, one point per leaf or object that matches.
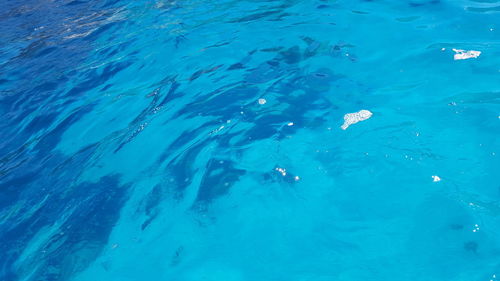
(353, 118)
(262, 101)
(215, 131)
(463, 54)
(436, 178)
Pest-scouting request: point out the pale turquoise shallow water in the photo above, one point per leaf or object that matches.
(133, 145)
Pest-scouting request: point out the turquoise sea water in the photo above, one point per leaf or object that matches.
(133, 145)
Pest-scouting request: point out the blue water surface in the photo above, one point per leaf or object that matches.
(133, 145)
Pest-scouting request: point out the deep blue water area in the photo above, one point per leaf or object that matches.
(201, 140)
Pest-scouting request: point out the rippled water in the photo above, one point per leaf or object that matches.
(201, 140)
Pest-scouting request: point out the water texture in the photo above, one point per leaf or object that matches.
(201, 140)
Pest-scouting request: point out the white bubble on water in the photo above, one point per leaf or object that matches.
(436, 178)
(282, 171)
(476, 228)
(262, 101)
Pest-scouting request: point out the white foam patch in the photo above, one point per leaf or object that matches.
(355, 117)
(463, 54)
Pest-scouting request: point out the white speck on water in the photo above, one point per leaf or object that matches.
(442, 49)
(464, 54)
(262, 101)
(436, 178)
(355, 117)
(282, 171)
(290, 124)
(476, 228)
(296, 178)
